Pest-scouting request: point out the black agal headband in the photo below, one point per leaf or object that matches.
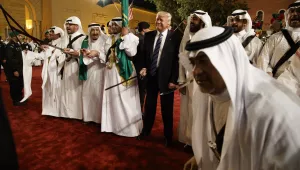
(198, 45)
(240, 13)
(94, 25)
(296, 4)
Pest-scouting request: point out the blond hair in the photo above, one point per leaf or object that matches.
(165, 14)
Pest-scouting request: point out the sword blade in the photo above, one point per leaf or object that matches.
(120, 83)
(180, 87)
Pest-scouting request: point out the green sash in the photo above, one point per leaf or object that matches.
(124, 63)
(82, 66)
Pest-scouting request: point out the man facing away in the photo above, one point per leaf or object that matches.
(143, 27)
(50, 74)
(244, 119)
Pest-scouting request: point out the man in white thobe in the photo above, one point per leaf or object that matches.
(51, 78)
(121, 112)
(277, 45)
(71, 101)
(291, 76)
(241, 22)
(196, 21)
(91, 71)
(244, 119)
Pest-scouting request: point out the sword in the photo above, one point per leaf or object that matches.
(213, 147)
(120, 83)
(191, 79)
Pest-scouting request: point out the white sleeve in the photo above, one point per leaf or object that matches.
(255, 48)
(288, 79)
(60, 58)
(130, 44)
(102, 53)
(263, 62)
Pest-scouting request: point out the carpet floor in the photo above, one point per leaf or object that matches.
(45, 142)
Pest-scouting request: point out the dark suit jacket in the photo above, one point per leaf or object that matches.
(14, 59)
(139, 57)
(168, 65)
(8, 156)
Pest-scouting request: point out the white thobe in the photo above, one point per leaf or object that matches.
(186, 109)
(262, 126)
(121, 112)
(253, 48)
(291, 76)
(28, 59)
(275, 47)
(263, 141)
(93, 87)
(52, 81)
(71, 99)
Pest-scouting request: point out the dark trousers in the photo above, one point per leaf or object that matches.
(16, 86)
(166, 102)
(142, 90)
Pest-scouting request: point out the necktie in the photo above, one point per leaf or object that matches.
(153, 66)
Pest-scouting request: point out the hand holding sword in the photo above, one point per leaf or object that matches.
(189, 80)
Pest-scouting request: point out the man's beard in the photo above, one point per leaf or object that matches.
(194, 27)
(292, 22)
(95, 37)
(236, 29)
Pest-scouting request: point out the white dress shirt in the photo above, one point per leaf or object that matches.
(164, 36)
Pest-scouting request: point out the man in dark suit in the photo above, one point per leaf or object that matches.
(14, 67)
(138, 59)
(161, 49)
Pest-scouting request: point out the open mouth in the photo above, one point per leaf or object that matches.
(295, 20)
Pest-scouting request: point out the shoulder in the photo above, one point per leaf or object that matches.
(151, 33)
(10, 45)
(257, 41)
(272, 100)
(276, 36)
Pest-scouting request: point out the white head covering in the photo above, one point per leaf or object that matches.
(188, 35)
(253, 94)
(200, 14)
(242, 14)
(96, 45)
(94, 25)
(286, 14)
(117, 20)
(72, 20)
(57, 30)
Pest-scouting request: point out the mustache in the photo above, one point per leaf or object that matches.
(295, 18)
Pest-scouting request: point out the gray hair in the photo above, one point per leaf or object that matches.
(165, 14)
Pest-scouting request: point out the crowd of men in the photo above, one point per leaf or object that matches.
(240, 104)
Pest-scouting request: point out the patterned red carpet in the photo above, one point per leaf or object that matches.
(62, 144)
